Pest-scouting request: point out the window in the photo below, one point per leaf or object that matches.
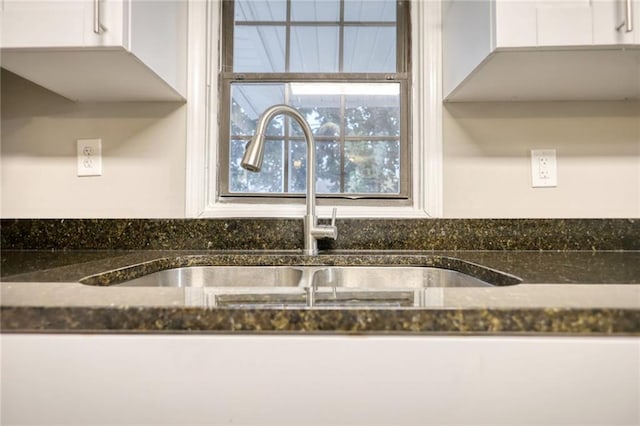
(205, 141)
(344, 64)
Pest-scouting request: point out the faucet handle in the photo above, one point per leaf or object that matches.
(333, 217)
(325, 231)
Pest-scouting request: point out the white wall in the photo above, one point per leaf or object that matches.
(487, 170)
(486, 157)
(143, 146)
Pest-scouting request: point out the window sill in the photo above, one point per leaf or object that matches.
(236, 210)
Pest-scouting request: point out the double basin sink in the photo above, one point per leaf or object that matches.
(312, 286)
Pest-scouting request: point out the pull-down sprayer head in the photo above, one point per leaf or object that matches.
(254, 153)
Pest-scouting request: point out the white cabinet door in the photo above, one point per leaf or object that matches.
(530, 23)
(636, 21)
(564, 23)
(106, 28)
(609, 24)
(63, 24)
(44, 23)
(587, 22)
(516, 23)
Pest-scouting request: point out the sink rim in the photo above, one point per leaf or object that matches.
(494, 277)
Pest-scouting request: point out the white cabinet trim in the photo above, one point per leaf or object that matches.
(202, 122)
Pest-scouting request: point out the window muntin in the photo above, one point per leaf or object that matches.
(343, 64)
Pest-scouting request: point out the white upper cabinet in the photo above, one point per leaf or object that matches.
(536, 50)
(98, 50)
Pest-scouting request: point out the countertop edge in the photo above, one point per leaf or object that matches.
(589, 322)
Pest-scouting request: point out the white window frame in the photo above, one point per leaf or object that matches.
(203, 120)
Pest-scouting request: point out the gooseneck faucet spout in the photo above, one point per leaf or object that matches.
(252, 161)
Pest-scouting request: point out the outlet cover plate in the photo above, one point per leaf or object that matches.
(89, 157)
(543, 168)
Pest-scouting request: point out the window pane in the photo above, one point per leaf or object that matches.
(374, 114)
(248, 102)
(314, 49)
(322, 111)
(369, 49)
(327, 167)
(269, 179)
(372, 167)
(260, 10)
(315, 10)
(370, 10)
(258, 48)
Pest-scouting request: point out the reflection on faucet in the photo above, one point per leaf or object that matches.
(310, 293)
(309, 277)
(312, 279)
(252, 161)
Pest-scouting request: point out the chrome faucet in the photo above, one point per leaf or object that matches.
(252, 161)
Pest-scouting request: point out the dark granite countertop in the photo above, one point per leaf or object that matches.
(354, 234)
(562, 292)
(579, 276)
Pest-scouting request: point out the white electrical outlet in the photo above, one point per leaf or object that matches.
(543, 168)
(89, 157)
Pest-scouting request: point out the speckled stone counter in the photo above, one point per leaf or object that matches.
(578, 276)
(354, 234)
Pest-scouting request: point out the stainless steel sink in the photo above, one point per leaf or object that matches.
(353, 277)
(312, 286)
(385, 277)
